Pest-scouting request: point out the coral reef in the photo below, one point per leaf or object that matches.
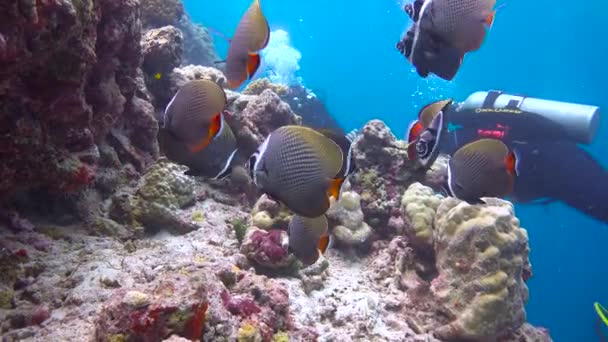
(258, 86)
(384, 174)
(79, 89)
(158, 13)
(349, 229)
(481, 255)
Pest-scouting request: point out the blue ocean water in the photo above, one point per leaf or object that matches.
(345, 52)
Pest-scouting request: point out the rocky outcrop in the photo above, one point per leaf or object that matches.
(162, 50)
(254, 117)
(156, 202)
(198, 44)
(68, 84)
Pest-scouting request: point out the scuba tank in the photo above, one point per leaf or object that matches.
(580, 122)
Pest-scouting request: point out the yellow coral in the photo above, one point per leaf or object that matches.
(419, 204)
(281, 337)
(262, 220)
(198, 216)
(489, 297)
(248, 333)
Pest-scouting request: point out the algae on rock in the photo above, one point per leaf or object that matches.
(156, 203)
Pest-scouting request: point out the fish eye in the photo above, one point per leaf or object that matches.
(423, 148)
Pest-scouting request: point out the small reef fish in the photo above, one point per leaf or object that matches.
(483, 168)
(424, 133)
(194, 114)
(461, 23)
(308, 238)
(194, 132)
(443, 32)
(252, 35)
(428, 54)
(299, 167)
(215, 161)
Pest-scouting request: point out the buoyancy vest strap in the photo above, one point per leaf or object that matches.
(491, 98)
(513, 104)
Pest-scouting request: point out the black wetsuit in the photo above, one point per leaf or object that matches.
(551, 166)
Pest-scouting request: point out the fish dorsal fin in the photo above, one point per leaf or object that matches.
(258, 28)
(428, 112)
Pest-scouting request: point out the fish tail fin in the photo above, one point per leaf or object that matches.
(253, 63)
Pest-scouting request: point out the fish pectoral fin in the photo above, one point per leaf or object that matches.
(253, 63)
(334, 188)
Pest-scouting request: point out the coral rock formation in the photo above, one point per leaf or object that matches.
(176, 305)
(350, 229)
(269, 214)
(268, 249)
(258, 86)
(481, 255)
(162, 50)
(256, 116)
(183, 75)
(155, 203)
(384, 174)
(158, 13)
(419, 204)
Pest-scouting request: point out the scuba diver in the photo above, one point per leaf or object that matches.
(545, 136)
